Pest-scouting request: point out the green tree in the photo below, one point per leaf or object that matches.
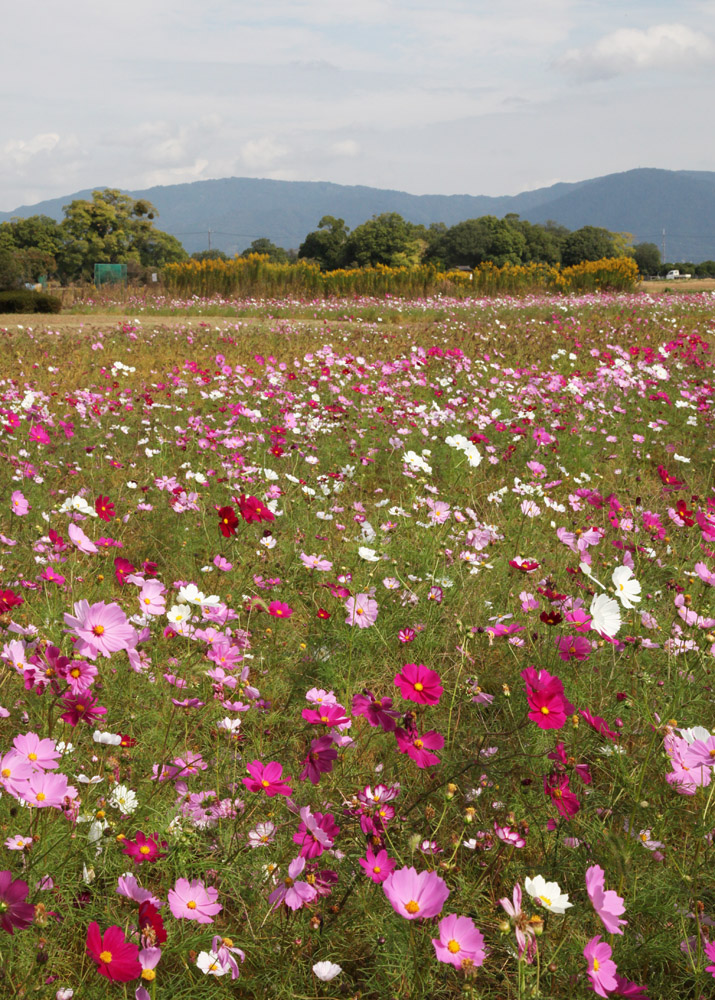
(542, 245)
(327, 244)
(263, 245)
(385, 239)
(113, 228)
(10, 274)
(647, 257)
(474, 241)
(209, 255)
(588, 243)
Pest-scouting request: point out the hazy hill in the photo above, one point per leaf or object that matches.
(237, 210)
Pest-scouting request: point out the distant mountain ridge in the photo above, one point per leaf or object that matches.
(231, 212)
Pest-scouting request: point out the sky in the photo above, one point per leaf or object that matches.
(464, 97)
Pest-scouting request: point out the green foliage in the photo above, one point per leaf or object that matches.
(263, 245)
(209, 255)
(647, 257)
(327, 245)
(10, 272)
(25, 300)
(385, 239)
(588, 243)
(475, 241)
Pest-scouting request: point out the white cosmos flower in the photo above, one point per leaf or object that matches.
(179, 613)
(369, 555)
(325, 971)
(208, 962)
(606, 615)
(190, 594)
(548, 894)
(124, 798)
(628, 590)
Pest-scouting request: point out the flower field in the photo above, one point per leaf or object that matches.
(359, 649)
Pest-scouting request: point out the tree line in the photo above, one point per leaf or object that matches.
(115, 228)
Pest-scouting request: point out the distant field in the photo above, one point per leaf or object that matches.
(694, 285)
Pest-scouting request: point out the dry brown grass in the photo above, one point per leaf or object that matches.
(690, 285)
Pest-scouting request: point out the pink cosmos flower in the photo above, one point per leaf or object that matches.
(14, 911)
(223, 564)
(459, 941)
(267, 778)
(377, 866)
(81, 708)
(40, 753)
(14, 771)
(599, 724)
(46, 790)
(80, 675)
(548, 706)
(418, 683)
(20, 506)
(508, 835)
(144, 848)
(601, 968)
(83, 543)
(328, 714)
(316, 833)
(377, 712)
(710, 952)
(316, 562)
(293, 892)
(524, 931)
(607, 904)
(193, 901)
(116, 958)
(415, 895)
(128, 886)
(100, 628)
(573, 647)
(556, 786)
(362, 611)
(151, 598)
(320, 759)
(279, 609)
(417, 747)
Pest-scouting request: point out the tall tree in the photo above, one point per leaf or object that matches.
(326, 245)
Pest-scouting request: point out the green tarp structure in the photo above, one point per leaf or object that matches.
(110, 274)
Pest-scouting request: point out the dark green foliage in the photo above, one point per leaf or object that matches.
(201, 255)
(25, 300)
(326, 245)
(385, 239)
(588, 243)
(647, 257)
(263, 245)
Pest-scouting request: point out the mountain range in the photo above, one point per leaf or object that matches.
(673, 208)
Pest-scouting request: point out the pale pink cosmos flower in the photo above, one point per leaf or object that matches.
(607, 903)
(100, 628)
(316, 562)
(415, 895)
(151, 598)
(83, 543)
(40, 753)
(223, 564)
(20, 506)
(193, 901)
(292, 891)
(362, 611)
(524, 931)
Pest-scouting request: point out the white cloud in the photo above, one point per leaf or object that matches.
(18, 152)
(260, 154)
(347, 147)
(661, 47)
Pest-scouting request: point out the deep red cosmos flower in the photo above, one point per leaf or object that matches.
(104, 508)
(228, 521)
(14, 911)
(253, 509)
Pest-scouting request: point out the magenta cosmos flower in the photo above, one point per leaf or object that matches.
(601, 968)
(418, 683)
(460, 943)
(117, 959)
(362, 611)
(14, 911)
(418, 747)
(193, 901)
(144, 848)
(607, 903)
(100, 628)
(415, 895)
(320, 759)
(267, 778)
(573, 647)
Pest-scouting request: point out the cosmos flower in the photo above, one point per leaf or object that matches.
(418, 683)
(362, 611)
(14, 911)
(628, 589)
(415, 895)
(117, 959)
(607, 903)
(460, 942)
(601, 968)
(101, 629)
(548, 894)
(193, 901)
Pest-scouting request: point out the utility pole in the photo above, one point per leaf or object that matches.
(210, 237)
(664, 246)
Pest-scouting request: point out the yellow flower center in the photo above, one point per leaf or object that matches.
(40, 796)
(377, 869)
(288, 882)
(105, 956)
(144, 849)
(596, 963)
(545, 900)
(419, 744)
(148, 974)
(412, 906)
(147, 600)
(544, 710)
(191, 905)
(324, 718)
(265, 783)
(75, 672)
(32, 756)
(359, 611)
(98, 629)
(6, 772)
(453, 946)
(419, 687)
